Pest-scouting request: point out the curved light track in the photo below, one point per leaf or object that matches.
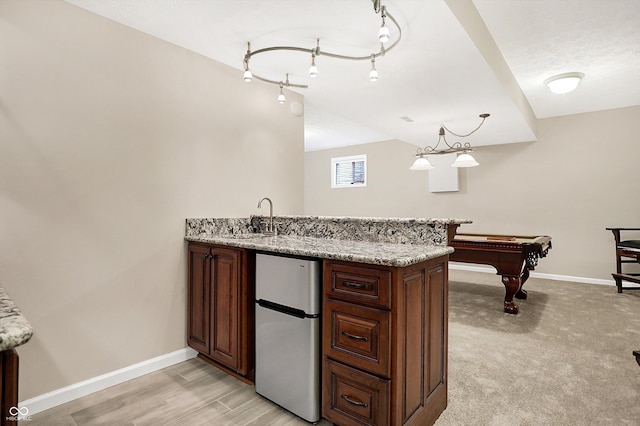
(316, 51)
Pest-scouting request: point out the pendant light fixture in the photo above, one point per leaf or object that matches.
(464, 159)
(421, 163)
(384, 37)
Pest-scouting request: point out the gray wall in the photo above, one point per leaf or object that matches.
(110, 139)
(580, 176)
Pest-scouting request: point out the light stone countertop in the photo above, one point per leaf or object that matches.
(376, 253)
(424, 220)
(15, 330)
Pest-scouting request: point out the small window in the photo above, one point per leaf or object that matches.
(349, 172)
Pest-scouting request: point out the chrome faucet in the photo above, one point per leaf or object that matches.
(271, 230)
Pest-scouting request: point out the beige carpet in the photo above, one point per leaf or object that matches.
(565, 359)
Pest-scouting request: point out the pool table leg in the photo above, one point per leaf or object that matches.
(512, 286)
(521, 293)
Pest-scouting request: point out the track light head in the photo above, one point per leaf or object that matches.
(281, 98)
(313, 69)
(373, 74)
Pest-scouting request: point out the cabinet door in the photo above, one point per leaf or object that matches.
(225, 308)
(198, 298)
(420, 385)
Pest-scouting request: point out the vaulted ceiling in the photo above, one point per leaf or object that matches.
(456, 59)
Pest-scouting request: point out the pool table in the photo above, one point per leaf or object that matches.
(513, 256)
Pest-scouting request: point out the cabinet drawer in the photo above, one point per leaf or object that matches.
(358, 283)
(352, 397)
(357, 335)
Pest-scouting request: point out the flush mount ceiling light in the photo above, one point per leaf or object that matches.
(564, 83)
(464, 159)
(383, 36)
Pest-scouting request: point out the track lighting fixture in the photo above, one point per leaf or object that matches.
(313, 69)
(373, 74)
(384, 36)
(464, 159)
(281, 98)
(383, 33)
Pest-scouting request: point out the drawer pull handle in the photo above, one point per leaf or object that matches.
(352, 402)
(355, 285)
(354, 337)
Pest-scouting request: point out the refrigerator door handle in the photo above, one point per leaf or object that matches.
(298, 313)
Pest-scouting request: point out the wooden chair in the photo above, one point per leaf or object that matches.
(626, 252)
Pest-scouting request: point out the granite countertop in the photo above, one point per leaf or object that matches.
(376, 253)
(15, 330)
(425, 220)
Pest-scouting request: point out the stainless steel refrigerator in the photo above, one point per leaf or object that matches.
(288, 333)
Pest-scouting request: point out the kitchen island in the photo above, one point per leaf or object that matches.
(384, 315)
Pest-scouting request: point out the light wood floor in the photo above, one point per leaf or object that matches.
(191, 393)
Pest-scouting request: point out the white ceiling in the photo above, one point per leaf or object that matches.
(542, 38)
(442, 72)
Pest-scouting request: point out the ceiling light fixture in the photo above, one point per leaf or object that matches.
(313, 69)
(464, 159)
(247, 76)
(373, 74)
(281, 98)
(564, 83)
(383, 33)
(384, 36)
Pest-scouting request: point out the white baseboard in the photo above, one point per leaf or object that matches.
(487, 269)
(95, 384)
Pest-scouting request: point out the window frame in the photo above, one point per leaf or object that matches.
(348, 159)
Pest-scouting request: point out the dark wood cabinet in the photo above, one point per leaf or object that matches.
(9, 362)
(199, 298)
(220, 309)
(385, 343)
(384, 332)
